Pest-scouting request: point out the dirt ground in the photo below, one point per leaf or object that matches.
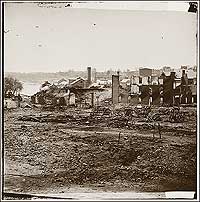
(66, 150)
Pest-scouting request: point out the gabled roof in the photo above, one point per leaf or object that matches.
(78, 79)
(62, 80)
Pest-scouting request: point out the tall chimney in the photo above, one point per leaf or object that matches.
(115, 89)
(89, 81)
(95, 75)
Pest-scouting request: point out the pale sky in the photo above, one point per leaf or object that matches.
(58, 38)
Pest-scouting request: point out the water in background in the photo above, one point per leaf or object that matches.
(30, 88)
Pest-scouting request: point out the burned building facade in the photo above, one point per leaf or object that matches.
(149, 89)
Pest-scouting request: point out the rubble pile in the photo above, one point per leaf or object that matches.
(102, 146)
(129, 117)
(66, 158)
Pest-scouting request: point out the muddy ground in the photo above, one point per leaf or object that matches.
(66, 150)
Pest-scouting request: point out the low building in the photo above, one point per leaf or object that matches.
(78, 83)
(145, 72)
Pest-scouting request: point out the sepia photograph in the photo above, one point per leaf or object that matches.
(99, 100)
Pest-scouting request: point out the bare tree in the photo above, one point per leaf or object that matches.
(12, 85)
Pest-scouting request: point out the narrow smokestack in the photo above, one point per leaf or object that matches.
(89, 75)
(115, 89)
(95, 75)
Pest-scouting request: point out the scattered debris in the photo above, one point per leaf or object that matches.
(96, 146)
